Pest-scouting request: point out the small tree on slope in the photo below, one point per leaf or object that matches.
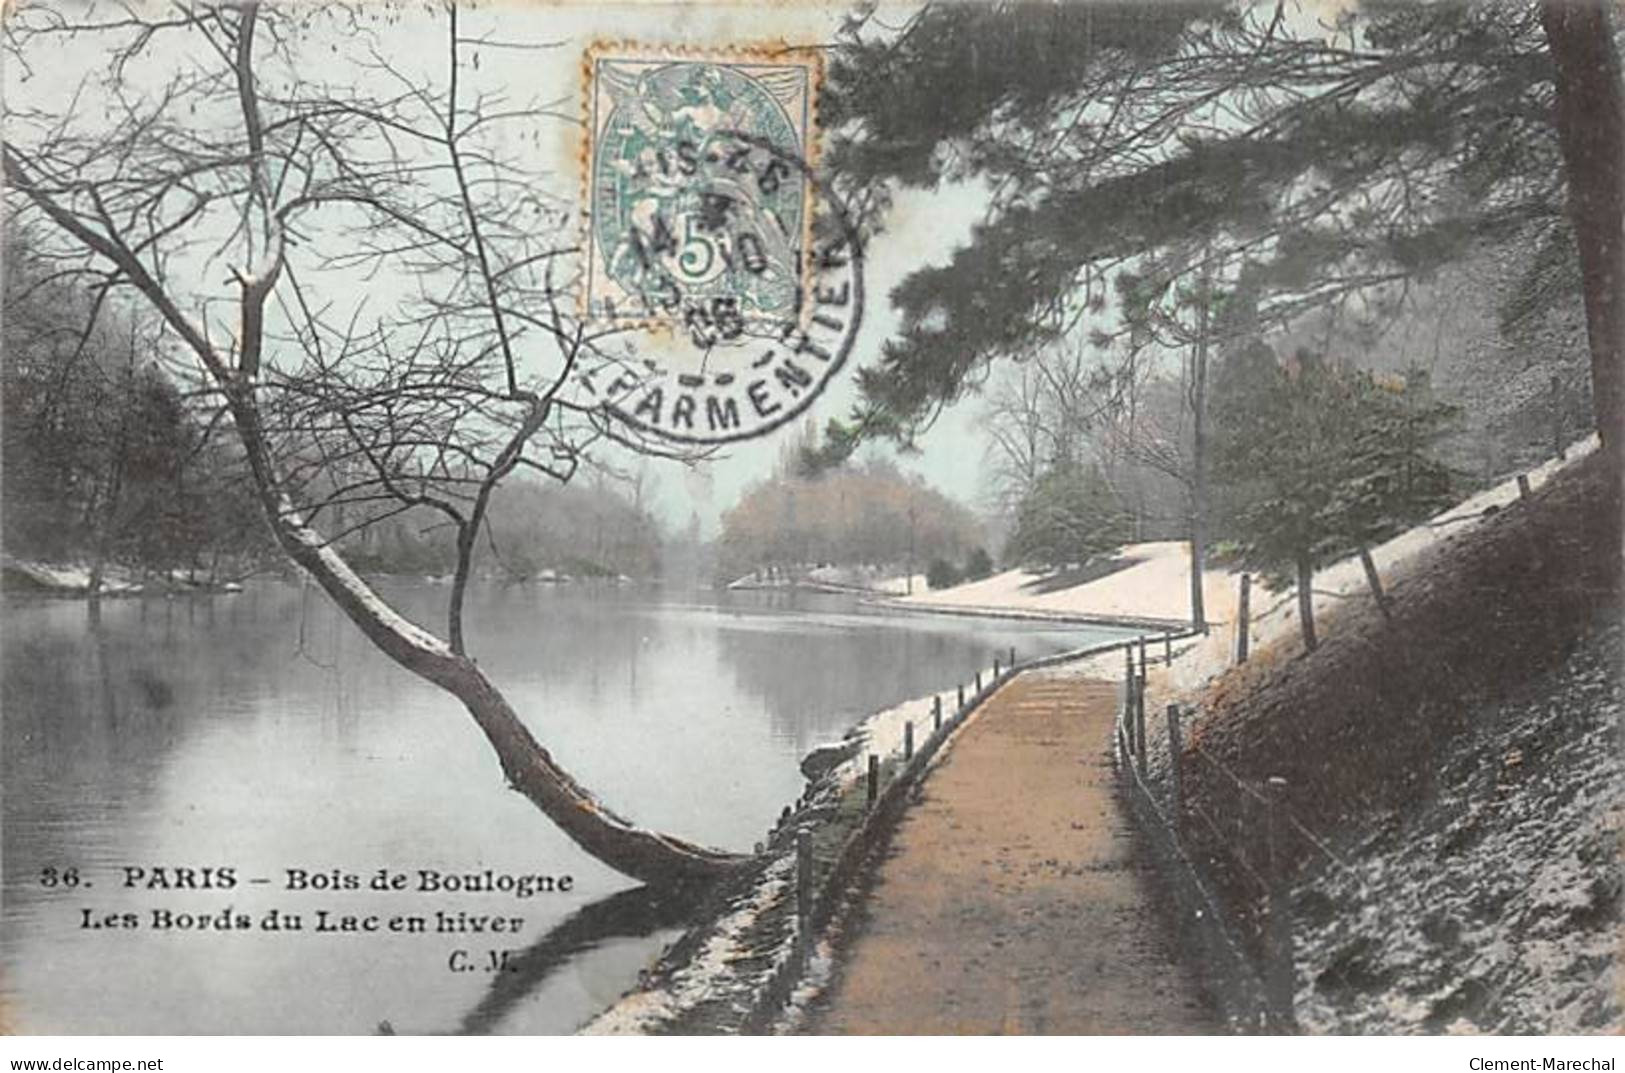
(1319, 461)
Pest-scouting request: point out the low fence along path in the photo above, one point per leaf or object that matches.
(1010, 901)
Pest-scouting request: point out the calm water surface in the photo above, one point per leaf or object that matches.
(261, 733)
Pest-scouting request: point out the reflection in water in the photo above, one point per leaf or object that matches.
(631, 914)
(260, 732)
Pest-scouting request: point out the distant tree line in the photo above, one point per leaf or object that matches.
(861, 514)
(535, 531)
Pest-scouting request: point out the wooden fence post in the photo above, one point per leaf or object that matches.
(1142, 657)
(1243, 617)
(1012, 657)
(908, 740)
(978, 681)
(1139, 724)
(1128, 714)
(1128, 699)
(1118, 730)
(804, 890)
(961, 696)
(1280, 981)
(1373, 579)
(1176, 782)
(874, 779)
(936, 713)
(1167, 650)
(1523, 486)
(995, 668)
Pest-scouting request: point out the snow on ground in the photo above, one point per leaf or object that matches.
(1274, 615)
(866, 579)
(861, 580)
(66, 578)
(1155, 584)
(820, 971)
(723, 956)
(73, 579)
(882, 733)
(1492, 906)
(901, 586)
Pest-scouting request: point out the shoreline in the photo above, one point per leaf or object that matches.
(1022, 614)
(37, 579)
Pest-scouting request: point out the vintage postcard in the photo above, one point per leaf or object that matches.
(813, 519)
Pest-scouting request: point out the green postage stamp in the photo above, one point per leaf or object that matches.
(697, 194)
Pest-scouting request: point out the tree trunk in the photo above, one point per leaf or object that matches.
(1590, 119)
(1129, 455)
(1199, 457)
(1374, 580)
(647, 856)
(1306, 601)
(108, 520)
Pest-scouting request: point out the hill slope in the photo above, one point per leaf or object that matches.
(1465, 759)
(1494, 906)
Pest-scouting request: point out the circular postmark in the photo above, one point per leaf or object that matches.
(713, 243)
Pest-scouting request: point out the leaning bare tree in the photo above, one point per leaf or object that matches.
(354, 253)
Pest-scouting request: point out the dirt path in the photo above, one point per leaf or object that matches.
(1010, 901)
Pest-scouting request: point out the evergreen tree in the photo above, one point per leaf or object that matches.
(1070, 516)
(1319, 460)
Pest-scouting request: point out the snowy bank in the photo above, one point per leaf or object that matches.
(1274, 613)
(1450, 768)
(856, 580)
(73, 579)
(1495, 906)
(1150, 584)
(61, 579)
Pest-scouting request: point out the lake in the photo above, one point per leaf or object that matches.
(255, 735)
